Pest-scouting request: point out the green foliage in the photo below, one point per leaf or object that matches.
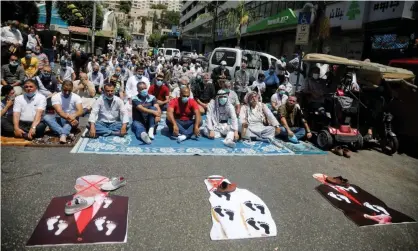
(238, 17)
(170, 18)
(155, 39)
(24, 11)
(86, 10)
(159, 6)
(125, 6)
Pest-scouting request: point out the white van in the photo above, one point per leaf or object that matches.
(233, 57)
(168, 53)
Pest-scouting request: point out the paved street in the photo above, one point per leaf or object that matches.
(169, 207)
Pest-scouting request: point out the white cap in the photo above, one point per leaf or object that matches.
(223, 62)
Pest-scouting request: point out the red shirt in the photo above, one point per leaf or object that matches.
(159, 92)
(183, 111)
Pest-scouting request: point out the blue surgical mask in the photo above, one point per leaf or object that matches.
(182, 86)
(159, 82)
(28, 56)
(144, 93)
(30, 95)
(282, 92)
(184, 99)
(139, 75)
(117, 74)
(107, 97)
(223, 100)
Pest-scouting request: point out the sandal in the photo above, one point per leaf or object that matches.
(337, 150)
(340, 181)
(346, 153)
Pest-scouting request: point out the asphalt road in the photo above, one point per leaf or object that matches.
(169, 207)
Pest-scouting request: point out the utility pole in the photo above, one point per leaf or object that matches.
(93, 29)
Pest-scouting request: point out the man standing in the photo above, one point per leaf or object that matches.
(180, 115)
(146, 114)
(291, 118)
(242, 79)
(68, 107)
(11, 40)
(109, 115)
(48, 41)
(27, 112)
(79, 62)
(13, 74)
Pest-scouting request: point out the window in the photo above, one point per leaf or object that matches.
(273, 61)
(221, 55)
(253, 59)
(264, 63)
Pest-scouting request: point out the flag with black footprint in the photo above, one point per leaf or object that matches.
(237, 213)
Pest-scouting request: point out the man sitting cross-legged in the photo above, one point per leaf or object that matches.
(161, 91)
(68, 107)
(291, 117)
(108, 115)
(146, 114)
(27, 112)
(180, 114)
(219, 112)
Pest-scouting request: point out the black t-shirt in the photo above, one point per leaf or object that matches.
(46, 37)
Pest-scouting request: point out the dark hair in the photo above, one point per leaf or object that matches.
(5, 90)
(31, 81)
(109, 84)
(261, 75)
(67, 82)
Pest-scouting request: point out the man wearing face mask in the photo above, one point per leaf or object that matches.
(184, 83)
(146, 114)
(272, 82)
(180, 115)
(65, 72)
(68, 107)
(232, 96)
(27, 113)
(119, 85)
(161, 92)
(96, 77)
(220, 71)
(131, 84)
(13, 74)
(242, 80)
(29, 64)
(92, 63)
(219, 113)
(206, 92)
(291, 118)
(47, 84)
(108, 116)
(279, 98)
(315, 88)
(11, 40)
(42, 58)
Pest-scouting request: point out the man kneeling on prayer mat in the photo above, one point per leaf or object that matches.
(219, 112)
(146, 113)
(257, 120)
(109, 115)
(27, 112)
(68, 107)
(180, 113)
(291, 117)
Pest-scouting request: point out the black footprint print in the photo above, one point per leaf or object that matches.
(265, 226)
(218, 209)
(252, 222)
(250, 205)
(230, 213)
(227, 195)
(260, 207)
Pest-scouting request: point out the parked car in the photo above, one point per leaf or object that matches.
(168, 53)
(233, 57)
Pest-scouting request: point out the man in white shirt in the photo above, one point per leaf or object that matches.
(131, 85)
(109, 115)
(194, 55)
(91, 64)
(27, 112)
(11, 40)
(66, 72)
(279, 98)
(85, 89)
(68, 107)
(96, 77)
(161, 59)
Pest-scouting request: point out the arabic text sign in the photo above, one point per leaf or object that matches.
(302, 34)
(335, 13)
(383, 10)
(347, 15)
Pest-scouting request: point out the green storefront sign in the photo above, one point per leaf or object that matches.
(283, 19)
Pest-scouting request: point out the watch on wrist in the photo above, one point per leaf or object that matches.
(33, 127)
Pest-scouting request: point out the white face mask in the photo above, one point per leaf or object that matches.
(315, 75)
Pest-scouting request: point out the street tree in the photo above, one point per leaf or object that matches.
(156, 39)
(238, 17)
(170, 18)
(125, 6)
(84, 8)
(24, 11)
(158, 6)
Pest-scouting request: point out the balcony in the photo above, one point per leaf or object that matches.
(196, 23)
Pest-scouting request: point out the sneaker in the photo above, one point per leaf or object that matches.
(78, 204)
(63, 139)
(145, 138)
(181, 138)
(293, 139)
(113, 184)
(229, 143)
(151, 133)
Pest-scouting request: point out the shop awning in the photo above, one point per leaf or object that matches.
(101, 33)
(283, 19)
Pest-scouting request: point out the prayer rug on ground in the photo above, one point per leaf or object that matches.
(358, 205)
(165, 145)
(238, 213)
(48, 140)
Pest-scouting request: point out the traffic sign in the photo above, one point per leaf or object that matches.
(304, 18)
(302, 34)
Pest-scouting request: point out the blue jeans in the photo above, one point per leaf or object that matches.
(185, 126)
(138, 127)
(106, 129)
(58, 125)
(163, 107)
(50, 54)
(298, 131)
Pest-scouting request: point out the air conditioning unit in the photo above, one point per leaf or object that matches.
(53, 27)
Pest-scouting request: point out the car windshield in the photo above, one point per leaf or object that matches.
(224, 55)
